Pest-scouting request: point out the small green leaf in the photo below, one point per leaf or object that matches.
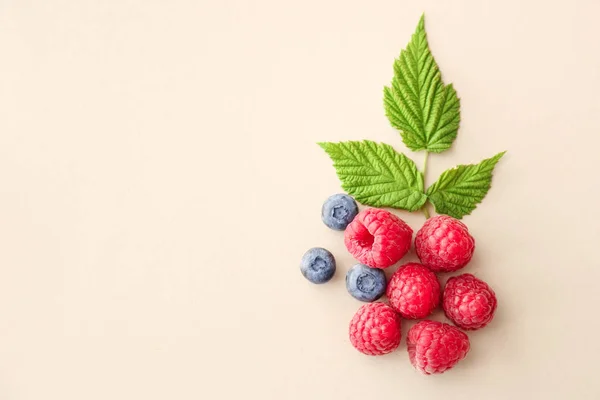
(376, 175)
(417, 103)
(458, 190)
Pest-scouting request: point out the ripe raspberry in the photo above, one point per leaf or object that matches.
(378, 238)
(444, 244)
(413, 291)
(375, 329)
(469, 302)
(434, 347)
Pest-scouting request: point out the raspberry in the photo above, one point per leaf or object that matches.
(469, 302)
(375, 329)
(434, 347)
(413, 291)
(378, 238)
(444, 244)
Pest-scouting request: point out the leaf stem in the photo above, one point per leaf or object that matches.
(425, 211)
(424, 208)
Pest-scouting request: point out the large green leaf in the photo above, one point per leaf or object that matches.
(458, 190)
(376, 175)
(426, 111)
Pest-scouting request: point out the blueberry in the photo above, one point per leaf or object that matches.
(338, 211)
(365, 283)
(317, 265)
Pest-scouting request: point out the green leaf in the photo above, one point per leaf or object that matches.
(376, 175)
(458, 190)
(417, 103)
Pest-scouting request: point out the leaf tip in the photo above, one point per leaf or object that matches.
(498, 156)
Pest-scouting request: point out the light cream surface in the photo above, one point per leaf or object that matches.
(159, 182)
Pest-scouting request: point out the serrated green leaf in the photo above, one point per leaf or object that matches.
(458, 190)
(417, 103)
(376, 175)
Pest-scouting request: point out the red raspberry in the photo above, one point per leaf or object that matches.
(434, 347)
(378, 238)
(375, 329)
(444, 244)
(469, 302)
(413, 291)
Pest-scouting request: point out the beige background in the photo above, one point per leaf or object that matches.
(159, 182)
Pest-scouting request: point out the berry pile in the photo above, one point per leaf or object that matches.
(426, 112)
(379, 239)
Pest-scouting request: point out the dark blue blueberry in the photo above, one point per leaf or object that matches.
(317, 265)
(338, 211)
(365, 283)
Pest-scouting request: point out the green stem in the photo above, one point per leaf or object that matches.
(425, 211)
(424, 208)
